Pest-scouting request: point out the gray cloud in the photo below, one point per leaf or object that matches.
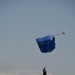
(9, 69)
(22, 72)
(5, 66)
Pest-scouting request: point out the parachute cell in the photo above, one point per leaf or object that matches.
(46, 44)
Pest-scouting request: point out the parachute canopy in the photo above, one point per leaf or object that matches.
(46, 44)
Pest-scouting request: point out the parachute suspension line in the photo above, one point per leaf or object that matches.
(60, 33)
(45, 61)
(46, 57)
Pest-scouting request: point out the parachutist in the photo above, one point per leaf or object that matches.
(44, 71)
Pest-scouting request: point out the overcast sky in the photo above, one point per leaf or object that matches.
(21, 22)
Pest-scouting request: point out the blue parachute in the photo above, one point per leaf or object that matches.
(46, 44)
